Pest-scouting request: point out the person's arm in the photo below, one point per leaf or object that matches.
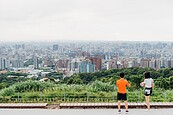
(152, 84)
(117, 83)
(128, 84)
(144, 82)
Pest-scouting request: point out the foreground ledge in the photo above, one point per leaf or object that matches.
(23, 105)
(115, 105)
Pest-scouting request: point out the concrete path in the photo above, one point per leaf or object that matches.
(84, 112)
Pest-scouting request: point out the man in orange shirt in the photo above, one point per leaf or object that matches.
(121, 95)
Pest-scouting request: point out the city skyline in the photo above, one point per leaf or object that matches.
(80, 57)
(87, 20)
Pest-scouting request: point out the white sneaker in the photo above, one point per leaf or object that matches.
(147, 110)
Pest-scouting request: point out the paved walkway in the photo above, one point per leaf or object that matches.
(83, 112)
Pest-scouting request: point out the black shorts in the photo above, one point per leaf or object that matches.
(148, 91)
(121, 96)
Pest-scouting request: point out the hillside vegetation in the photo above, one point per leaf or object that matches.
(93, 87)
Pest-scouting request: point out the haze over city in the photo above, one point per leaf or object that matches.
(43, 20)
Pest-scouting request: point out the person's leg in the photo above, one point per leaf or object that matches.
(119, 105)
(126, 105)
(125, 101)
(147, 98)
(119, 100)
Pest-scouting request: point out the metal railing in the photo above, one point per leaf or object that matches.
(136, 96)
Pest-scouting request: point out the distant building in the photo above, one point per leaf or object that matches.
(48, 62)
(135, 62)
(4, 64)
(169, 63)
(62, 63)
(36, 65)
(17, 63)
(152, 63)
(107, 56)
(55, 47)
(158, 64)
(72, 54)
(162, 63)
(112, 64)
(124, 63)
(85, 54)
(105, 65)
(144, 63)
(97, 62)
(73, 65)
(86, 66)
(100, 55)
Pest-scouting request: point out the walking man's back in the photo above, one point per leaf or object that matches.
(121, 95)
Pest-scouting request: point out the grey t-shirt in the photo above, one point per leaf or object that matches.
(148, 82)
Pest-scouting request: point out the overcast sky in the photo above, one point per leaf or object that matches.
(44, 20)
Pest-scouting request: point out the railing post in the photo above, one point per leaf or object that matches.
(41, 95)
(87, 97)
(139, 98)
(18, 97)
(64, 96)
(113, 96)
(164, 93)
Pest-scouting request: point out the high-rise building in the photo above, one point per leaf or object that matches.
(112, 64)
(166, 63)
(55, 47)
(144, 63)
(124, 63)
(158, 64)
(74, 65)
(2, 63)
(17, 63)
(135, 62)
(72, 54)
(97, 62)
(169, 63)
(86, 54)
(86, 66)
(62, 63)
(36, 66)
(48, 62)
(152, 63)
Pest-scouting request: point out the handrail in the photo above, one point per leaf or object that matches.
(69, 97)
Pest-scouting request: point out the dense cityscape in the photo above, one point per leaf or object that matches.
(41, 58)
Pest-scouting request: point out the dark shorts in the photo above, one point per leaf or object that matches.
(148, 91)
(121, 96)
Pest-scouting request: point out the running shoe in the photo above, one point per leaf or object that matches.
(127, 111)
(119, 111)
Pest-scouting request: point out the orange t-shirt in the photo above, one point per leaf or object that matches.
(121, 84)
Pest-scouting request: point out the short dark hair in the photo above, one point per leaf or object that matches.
(122, 75)
(147, 75)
